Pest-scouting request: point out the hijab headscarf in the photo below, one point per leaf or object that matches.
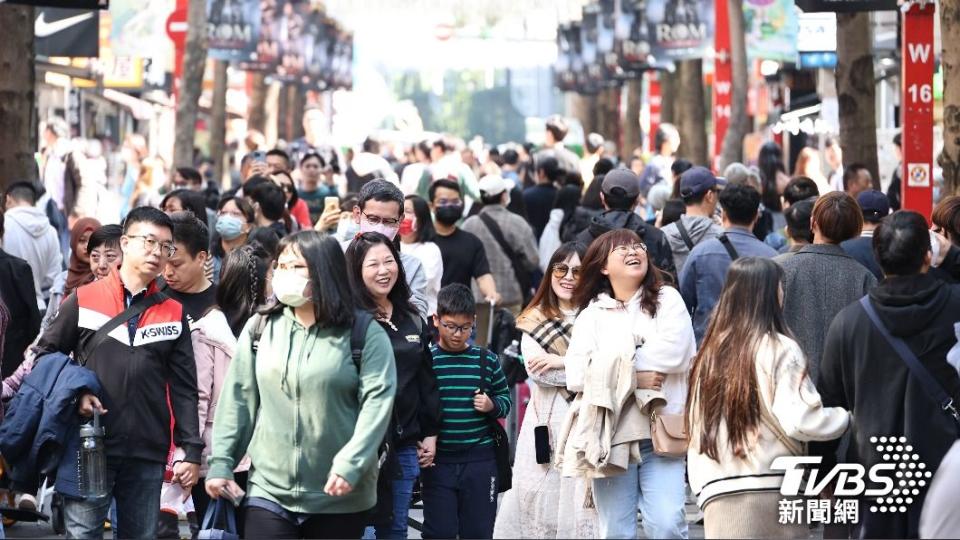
(79, 272)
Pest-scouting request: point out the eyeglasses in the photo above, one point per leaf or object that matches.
(287, 188)
(150, 244)
(377, 220)
(454, 329)
(625, 250)
(560, 271)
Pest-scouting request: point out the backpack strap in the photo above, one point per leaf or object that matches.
(684, 234)
(358, 334)
(728, 245)
(257, 332)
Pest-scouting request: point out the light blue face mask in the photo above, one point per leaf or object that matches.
(229, 227)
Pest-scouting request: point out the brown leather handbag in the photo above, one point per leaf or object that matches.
(668, 433)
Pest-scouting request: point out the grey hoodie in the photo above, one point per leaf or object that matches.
(698, 227)
(29, 236)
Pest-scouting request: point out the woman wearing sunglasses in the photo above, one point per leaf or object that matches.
(542, 503)
(632, 345)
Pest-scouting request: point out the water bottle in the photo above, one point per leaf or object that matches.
(93, 459)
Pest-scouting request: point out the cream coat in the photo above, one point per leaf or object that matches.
(789, 400)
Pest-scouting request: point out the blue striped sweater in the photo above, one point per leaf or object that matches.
(459, 375)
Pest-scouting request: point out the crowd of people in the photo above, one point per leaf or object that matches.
(307, 345)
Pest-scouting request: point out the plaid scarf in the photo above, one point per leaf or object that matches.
(551, 334)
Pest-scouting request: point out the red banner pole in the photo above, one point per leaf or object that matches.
(722, 79)
(917, 76)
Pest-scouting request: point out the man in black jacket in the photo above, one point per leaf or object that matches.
(22, 304)
(619, 192)
(863, 373)
(138, 363)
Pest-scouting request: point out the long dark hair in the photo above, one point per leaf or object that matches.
(770, 162)
(243, 280)
(399, 295)
(332, 298)
(545, 299)
(425, 230)
(723, 381)
(593, 281)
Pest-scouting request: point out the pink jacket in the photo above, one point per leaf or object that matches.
(213, 348)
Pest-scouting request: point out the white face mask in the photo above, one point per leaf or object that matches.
(289, 287)
(389, 232)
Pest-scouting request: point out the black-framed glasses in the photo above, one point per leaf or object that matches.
(150, 244)
(377, 220)
(455, 329)
(560, 271)
(626, 249)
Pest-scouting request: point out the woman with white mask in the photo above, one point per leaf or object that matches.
(309, 412)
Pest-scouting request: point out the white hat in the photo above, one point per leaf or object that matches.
(493, 184)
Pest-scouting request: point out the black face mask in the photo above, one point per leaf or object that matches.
(448, 215)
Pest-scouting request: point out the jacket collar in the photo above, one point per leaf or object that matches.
(824, 249)
(114, 283)
(738, 229)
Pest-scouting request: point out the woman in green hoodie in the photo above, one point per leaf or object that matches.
(310, 418)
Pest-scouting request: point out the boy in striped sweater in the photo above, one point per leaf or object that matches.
(460, 488)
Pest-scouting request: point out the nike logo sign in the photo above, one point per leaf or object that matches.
(42, 28)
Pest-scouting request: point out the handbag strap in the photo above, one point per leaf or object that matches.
(133, 310)
(728, 245)
(508, 250)
(684, 234)
(930, 384)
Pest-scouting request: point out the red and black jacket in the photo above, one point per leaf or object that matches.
(135, 371)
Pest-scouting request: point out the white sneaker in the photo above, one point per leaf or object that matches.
(25, 501)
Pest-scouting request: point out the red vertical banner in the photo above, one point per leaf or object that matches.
(722, 78)
(917, 110)
(654, 100)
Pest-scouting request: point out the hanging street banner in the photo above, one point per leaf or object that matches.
(72, 33)
(846, 6)
(771, 28)
(233, 29)
(722, 79)
(679, 29)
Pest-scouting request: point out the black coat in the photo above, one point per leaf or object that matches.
(25, 316)
(658, 247)
(861, 373)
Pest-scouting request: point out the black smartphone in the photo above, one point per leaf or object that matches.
(541, 442)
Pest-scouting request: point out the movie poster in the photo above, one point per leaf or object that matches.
(233, 29)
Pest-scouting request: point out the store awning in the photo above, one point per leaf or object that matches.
(142, 110)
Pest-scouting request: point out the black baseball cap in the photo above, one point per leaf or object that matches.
(697, 180)
(874, 204)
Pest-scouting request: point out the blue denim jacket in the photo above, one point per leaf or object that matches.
(702, 276)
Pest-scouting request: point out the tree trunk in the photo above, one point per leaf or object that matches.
(631, 121)
(668, 97)
(299, 106)
(950, 62)
(856, 91)
(18, 137)
(257, 111)
(739, 126)
(194, 62)
(579, 107)
(690, 99)
(218, 120)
